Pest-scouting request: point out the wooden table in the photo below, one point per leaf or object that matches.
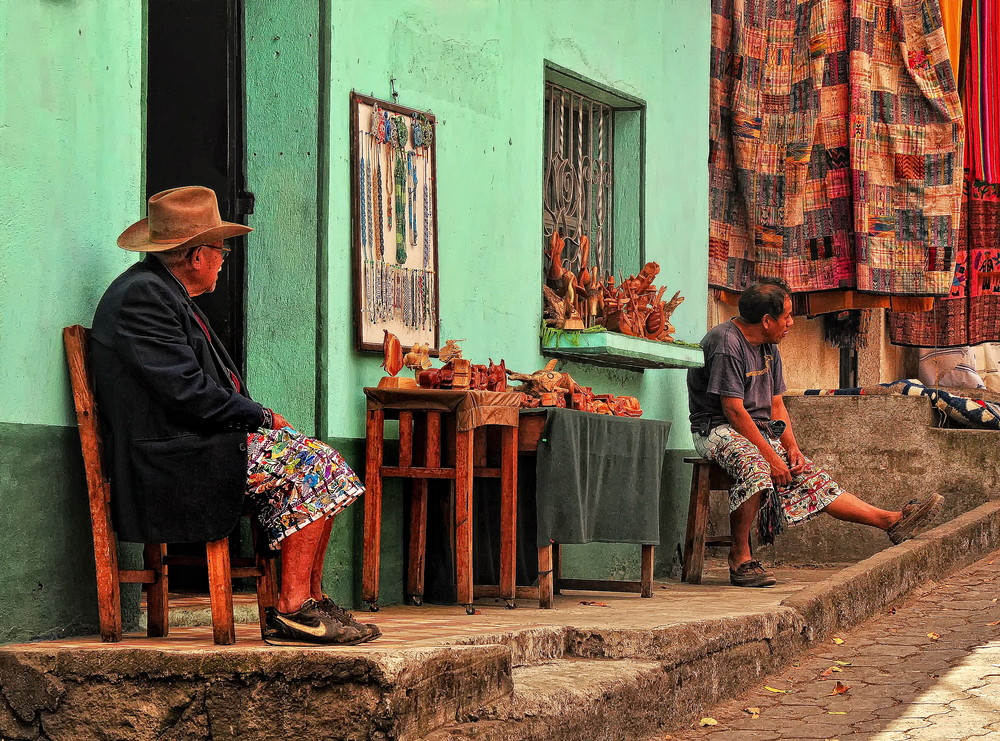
(441, 436)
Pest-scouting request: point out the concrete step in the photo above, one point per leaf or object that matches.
(574, 698)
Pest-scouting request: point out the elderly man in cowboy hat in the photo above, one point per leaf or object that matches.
(186, 441)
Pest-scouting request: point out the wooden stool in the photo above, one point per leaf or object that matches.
(221, 571)
(423, 435)
(706, 477)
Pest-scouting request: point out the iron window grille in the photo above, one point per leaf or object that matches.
(578, 193)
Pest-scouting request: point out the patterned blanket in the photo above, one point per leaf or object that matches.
(961, 410)
(836, 146)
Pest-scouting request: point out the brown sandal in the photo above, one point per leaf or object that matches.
(915, 512)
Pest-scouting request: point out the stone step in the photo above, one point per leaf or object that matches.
(574, 698)
(528, 646)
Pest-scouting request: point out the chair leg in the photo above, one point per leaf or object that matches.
(267, 582)
(646, 577)
(157, 601)
(220, 591)
(697, 526)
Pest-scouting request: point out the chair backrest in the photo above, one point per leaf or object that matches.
(75, 338)
(98, 487)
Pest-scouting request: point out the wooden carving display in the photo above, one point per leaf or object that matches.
(392, 361)
(634, 307)
(550, 388)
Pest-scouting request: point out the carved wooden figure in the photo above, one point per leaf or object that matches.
(392, 361)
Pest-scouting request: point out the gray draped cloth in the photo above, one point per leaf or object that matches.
(598, 478)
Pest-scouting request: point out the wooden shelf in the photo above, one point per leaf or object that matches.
(621, 351)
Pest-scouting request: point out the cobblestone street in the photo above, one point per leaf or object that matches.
(927, 671)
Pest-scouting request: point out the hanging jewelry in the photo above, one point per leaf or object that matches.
(399, 178)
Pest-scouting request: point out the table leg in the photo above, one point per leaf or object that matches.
(375, 430)
(545, 577)
(427, 437)
(508, 515)
(646, 576)
(463, 517)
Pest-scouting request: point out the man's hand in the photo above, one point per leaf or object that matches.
(797, 460)
(780, 474)
(279, 422)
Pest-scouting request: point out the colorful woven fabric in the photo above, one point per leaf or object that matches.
(970, 314)
(810, 492)
(966, 412)
(836, 146)
(295, 480)
(982, 92)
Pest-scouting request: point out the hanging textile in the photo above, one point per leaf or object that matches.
(951, 18)
(835, 146)
(970, 314)
(982, 92)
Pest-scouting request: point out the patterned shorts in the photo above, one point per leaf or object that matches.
(295, 480)
(811, 489)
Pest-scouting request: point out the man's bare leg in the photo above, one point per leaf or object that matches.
(740, 523)
(849, 508)
(298, 556)
(316, 577)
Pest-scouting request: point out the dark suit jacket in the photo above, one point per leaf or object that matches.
(173, 422)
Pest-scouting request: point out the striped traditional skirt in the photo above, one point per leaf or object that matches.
(810, 492)
(295, 480)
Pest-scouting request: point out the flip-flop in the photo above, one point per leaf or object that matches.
(915, 512)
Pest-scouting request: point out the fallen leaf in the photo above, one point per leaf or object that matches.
(708, 722)
(842, 663)
(772, 689)
(593, 604)
(838, 641)
(933, 636)
(990, 563)
(754, 712)
(835, 712)
(831, 670)
(840, 689)
(994, 599)
(995, 622)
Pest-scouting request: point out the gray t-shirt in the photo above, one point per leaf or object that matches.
(735, 368)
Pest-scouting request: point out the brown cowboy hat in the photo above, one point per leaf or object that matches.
(179, 217)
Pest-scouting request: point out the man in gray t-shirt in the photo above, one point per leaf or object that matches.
(739, 420)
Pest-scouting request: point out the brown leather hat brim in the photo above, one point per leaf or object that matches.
(136, 237)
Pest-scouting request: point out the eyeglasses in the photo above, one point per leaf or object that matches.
(224, 250)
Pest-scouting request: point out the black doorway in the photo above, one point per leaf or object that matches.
(195, 135)
(195, 130)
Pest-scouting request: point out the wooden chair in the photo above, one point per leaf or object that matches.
(706, 478)
(156, 561)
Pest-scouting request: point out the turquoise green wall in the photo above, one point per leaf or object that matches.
(71, 167)
(479, 65)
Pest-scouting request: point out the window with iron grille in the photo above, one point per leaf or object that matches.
(592, 187)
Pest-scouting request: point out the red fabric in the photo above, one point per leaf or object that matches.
(208, 335)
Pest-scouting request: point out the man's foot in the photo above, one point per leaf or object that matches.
(308, 626)
(338, 613)
(751, 574)
(914, 513)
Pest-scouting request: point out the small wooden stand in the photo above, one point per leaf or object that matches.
(397, 382)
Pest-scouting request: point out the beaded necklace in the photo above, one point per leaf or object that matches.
(411, 196)
(399, 181)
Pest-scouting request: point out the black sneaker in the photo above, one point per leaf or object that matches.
(370, 631)
(307, 626)
(751, 574)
